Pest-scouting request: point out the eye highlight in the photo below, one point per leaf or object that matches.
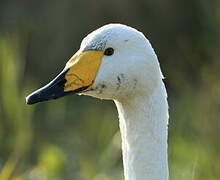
(109, 51)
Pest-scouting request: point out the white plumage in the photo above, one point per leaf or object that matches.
(133, 79)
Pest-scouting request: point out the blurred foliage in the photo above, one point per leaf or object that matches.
(77, 137)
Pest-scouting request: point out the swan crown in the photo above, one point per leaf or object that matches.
(132, 68)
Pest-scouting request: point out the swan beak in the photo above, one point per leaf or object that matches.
(77, 76)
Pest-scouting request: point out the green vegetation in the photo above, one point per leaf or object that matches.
(77, 137)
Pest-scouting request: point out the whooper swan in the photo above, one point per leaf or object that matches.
(117, 62)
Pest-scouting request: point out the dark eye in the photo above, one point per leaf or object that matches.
(109, 51)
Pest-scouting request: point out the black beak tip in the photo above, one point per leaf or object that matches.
(53, 90)
(32, 99)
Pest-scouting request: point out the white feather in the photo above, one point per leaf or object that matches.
(133, 79)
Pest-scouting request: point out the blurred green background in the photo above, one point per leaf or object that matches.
(78, 137)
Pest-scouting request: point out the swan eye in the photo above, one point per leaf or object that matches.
(109, 51)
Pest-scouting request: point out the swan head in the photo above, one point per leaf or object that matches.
(113, 62)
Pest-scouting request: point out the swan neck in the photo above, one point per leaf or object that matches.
(143, 126)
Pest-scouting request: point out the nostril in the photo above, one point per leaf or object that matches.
(61, 83)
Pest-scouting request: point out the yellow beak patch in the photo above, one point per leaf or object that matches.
(83, 68)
